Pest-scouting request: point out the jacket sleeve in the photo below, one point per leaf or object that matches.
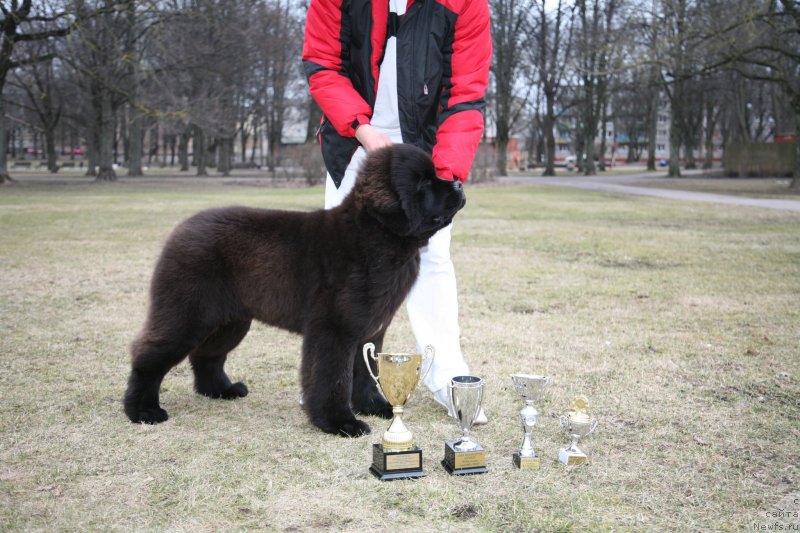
(323, 49)
(461, 119)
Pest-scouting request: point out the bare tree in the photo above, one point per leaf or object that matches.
(594, 38)
(22, 23)
(98, 54)
(630, 100)
(552, 42)
(510, 29)
(762, 42)
(42, 97)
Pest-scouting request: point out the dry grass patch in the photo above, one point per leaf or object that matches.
(680, 322)
(754, 187)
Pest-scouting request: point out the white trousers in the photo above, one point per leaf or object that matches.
(432, 304)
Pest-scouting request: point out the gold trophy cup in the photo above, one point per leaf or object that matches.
(578, 424)
(396, 457)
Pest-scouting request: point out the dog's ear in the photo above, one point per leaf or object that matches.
(374, 183)
(381, 191)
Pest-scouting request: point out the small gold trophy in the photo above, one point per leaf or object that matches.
(396, 457)
(578, 424)
(465, 456)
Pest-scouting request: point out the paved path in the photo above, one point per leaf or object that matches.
(626, 184)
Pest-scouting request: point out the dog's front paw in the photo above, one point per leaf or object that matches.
(378, 407)
(152, 415)
(349, 427)
(237, 390)
(371, 402)
(353, 428)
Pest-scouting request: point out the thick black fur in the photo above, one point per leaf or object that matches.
(334, 276)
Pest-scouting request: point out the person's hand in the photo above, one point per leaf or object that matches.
(372, 139)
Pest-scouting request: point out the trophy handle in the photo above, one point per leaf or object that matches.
(369, 347)
(563, 421)
(594, 426)
(430, 351)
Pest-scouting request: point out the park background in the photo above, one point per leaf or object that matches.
(677, 319)
(120, 86)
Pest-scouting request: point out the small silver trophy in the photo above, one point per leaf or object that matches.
(465, 455)
(531, 388)
(578, 424)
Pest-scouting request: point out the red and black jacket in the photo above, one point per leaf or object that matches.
(444, 51)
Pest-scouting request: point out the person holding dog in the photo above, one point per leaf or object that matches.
(415, 72)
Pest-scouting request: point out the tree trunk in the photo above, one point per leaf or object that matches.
(550, 147)
(589, 128)
(253, 146)
(601, 162)
(212, 152)
(796, 174)
(245, 136)
(50, 149)
(135, 143)
(675, 138)
(3, 141)
(172, 142)
(501, 161)
(652, 132)
(93, 141)
(580, 145)
(105, 155)
(11, 142)
(674, 147)
(708, 159)
(183, 149)
(589, 131)
(689, 154)
(152, 150)
(225, 156)
(540, 147)
(549, 135)
(200, 151)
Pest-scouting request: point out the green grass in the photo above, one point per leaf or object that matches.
(680, 322)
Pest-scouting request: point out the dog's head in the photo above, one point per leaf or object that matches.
(398, 186)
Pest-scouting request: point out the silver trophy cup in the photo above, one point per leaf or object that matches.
(465, 455)
(531, 388)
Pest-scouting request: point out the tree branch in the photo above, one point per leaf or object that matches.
(42, 35)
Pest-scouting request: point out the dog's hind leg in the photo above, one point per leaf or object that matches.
(366, 398)
(150, 362)
(208, 361)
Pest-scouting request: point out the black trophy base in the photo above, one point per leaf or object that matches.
(463, 463)
(388, 466)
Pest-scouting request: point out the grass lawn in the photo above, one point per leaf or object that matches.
(680, 322)
(753, 187)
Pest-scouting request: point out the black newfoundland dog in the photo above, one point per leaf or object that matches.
(334, 276)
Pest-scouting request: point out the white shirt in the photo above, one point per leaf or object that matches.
(385, 116)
